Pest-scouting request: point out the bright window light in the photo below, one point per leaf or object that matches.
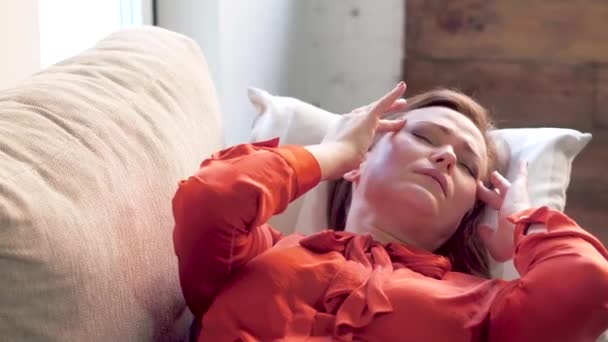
(67, 27)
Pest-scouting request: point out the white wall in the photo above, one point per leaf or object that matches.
(245, 43)
(336, 54)
(348, 53)
(254, 46)
(19, 39)
(196, 19)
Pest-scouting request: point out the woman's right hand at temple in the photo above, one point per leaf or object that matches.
(346, 143)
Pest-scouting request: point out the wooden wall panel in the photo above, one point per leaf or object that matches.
(565, 30)
(531, 95)
(601, 102)
(587, 197)
(532, 63)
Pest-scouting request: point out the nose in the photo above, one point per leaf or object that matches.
(444, 159)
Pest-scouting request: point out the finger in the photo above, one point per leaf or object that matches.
(393, 115)
(488, 196)
(390, 125)
(500, 182)
(398, 106)
(363, 109)
(368, 107)
(485, 233)
(381, 106)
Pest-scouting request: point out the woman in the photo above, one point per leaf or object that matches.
(414, 195)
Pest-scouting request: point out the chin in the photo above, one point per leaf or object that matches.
(421, 199)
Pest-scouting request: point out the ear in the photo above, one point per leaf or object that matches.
(259, 98)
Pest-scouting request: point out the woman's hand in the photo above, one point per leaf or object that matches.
(508, 198)
(346, 143)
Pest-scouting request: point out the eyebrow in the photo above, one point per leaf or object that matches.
(449, 131)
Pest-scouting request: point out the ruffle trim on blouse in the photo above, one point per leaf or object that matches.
(355, 294)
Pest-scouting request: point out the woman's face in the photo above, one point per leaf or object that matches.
(422, 179)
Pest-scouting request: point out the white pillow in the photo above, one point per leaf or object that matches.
(549, 152)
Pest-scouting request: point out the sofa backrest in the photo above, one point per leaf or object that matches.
(91, 150)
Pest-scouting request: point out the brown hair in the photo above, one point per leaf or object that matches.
(464, 248)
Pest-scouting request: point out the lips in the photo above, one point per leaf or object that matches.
(437, 176)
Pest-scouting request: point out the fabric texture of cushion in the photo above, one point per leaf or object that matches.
(91, 152)
(549, 151)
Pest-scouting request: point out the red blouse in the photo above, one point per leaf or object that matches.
(245, 282)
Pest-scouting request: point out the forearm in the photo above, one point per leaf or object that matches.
(219, 211)
(327, 159)
(243, 186)
(562, 237)
(564, 278)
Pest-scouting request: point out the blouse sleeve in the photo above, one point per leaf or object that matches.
(562, 294)
(221, 210)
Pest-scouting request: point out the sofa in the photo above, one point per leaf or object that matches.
(91, 151)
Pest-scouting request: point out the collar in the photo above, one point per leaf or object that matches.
(364, 249)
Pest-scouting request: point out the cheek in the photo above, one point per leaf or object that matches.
(403, 149)
(466, 192)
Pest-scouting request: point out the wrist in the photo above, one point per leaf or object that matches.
(531, 221)
(534, 228)
(334, 158)
(327, 163)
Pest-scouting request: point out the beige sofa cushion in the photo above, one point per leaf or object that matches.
(91, 151)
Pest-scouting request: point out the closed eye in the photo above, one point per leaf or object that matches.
(423, 138)
(471, 171)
